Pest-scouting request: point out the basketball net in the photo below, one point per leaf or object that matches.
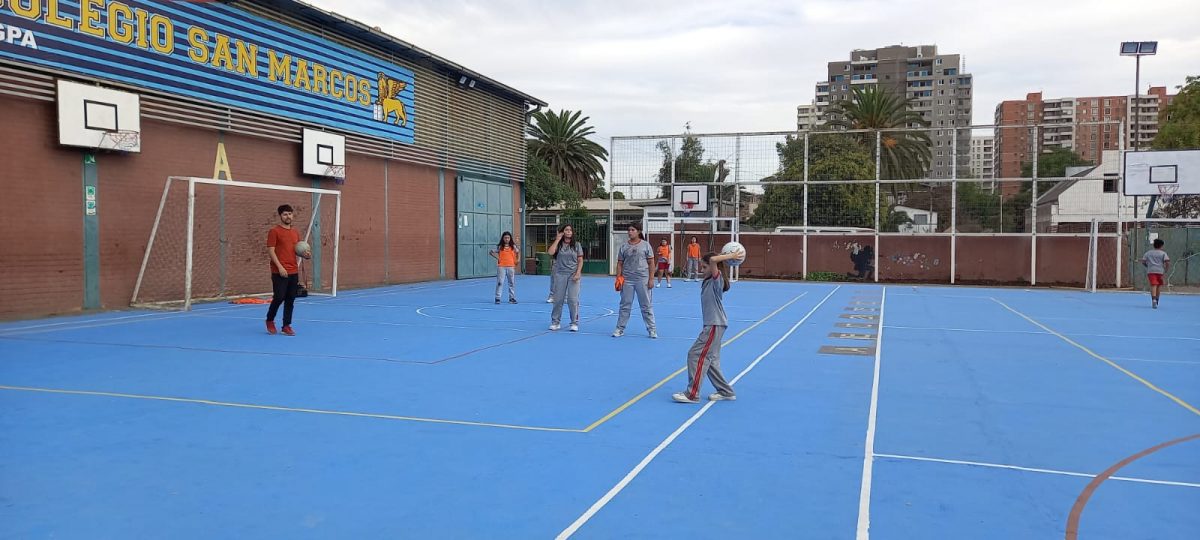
(120, 140)
(1166, 192)
(336, 172)
(687, 208)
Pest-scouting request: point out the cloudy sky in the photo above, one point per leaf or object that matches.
(640, 67)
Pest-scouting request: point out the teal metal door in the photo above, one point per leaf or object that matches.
(485, 211)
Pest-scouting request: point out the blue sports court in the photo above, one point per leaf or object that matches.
(425, 411)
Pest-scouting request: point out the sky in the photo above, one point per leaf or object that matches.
(646, 67)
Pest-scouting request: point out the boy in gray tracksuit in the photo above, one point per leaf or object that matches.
(634, 261)
(704, 358)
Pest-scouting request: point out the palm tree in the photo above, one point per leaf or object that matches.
(561, 140)
(904, 154)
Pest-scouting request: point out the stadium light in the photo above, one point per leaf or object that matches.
(1137, 49)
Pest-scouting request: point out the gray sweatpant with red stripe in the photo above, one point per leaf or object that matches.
(704, 358)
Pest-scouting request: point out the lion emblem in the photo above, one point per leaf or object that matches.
(389, 89)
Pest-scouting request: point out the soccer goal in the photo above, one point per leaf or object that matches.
(208, 241)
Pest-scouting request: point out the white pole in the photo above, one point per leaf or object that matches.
(1037, 149)
(878, 140)
(150, 243)
(191, 222)
(612, 210)
(337, 241)
(1120, 189)
(953, 204)
(1095, 249)
(804, 248)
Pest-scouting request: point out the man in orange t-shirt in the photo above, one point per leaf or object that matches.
(693, 260)
(285, 278)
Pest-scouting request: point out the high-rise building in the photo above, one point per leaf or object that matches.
(982, 156)
(1086, 125)
(940, 90)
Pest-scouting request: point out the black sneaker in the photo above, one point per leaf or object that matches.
(497, 301)
(510, 300)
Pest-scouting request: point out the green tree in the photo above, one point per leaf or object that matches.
(1053, 164)
(601, 193)
(690, 165)
(1180, 128)
(542, 189)
(831, 157)
(561, 140)
(904, 154)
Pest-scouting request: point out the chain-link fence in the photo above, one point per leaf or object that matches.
(1017, 204)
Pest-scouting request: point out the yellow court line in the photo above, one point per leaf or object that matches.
(589, 428)
(659, 384)
(288, 409)
(1135, 376)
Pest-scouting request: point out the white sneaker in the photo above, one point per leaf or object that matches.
(574, 327)
(618, 332)
(681, 397)
(717, 396)
(554, 327)
(659, 285)
(550, 299)
(654, 334)
(668, 285)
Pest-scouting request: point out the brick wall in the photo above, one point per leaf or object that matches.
(389, 235)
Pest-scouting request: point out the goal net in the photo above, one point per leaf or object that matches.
(208, 241)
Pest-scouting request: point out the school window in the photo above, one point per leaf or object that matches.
(1110, 184)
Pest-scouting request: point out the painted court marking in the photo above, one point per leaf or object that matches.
(604, 500)
(1115, 365)
(864, 493)
(1035, 470)
(286, 409)
(676, 373)
(1086, 495)
(589, 428)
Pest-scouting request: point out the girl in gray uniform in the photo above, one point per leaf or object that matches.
(704, 358)
(568, 265)
(634, 261)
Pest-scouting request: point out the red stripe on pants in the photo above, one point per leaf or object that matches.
(694, 391)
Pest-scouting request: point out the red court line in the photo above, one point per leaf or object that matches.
(1086, 495)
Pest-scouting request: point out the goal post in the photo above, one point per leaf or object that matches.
(208, 241)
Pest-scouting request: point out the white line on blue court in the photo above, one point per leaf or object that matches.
(603, 501)
(1035, 470)
(990, 331)
(864, 493)
(1097, 356)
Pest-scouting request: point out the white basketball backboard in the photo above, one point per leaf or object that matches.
(90, 116)
(1146, 171)
(694, 194)
(324, 154)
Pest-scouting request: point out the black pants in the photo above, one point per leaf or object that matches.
(285, 289)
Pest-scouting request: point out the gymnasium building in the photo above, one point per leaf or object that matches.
(140, 141)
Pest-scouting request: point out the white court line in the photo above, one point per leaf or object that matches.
(1154, 361)
(1037, 470)
(864, 492)
(988, 331)
(599, 504)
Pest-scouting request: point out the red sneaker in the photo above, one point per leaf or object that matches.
(287, 331)
(271, 327)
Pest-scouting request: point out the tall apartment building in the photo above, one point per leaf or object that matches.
(940, 90)
(1086, 125)
(982, 157)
